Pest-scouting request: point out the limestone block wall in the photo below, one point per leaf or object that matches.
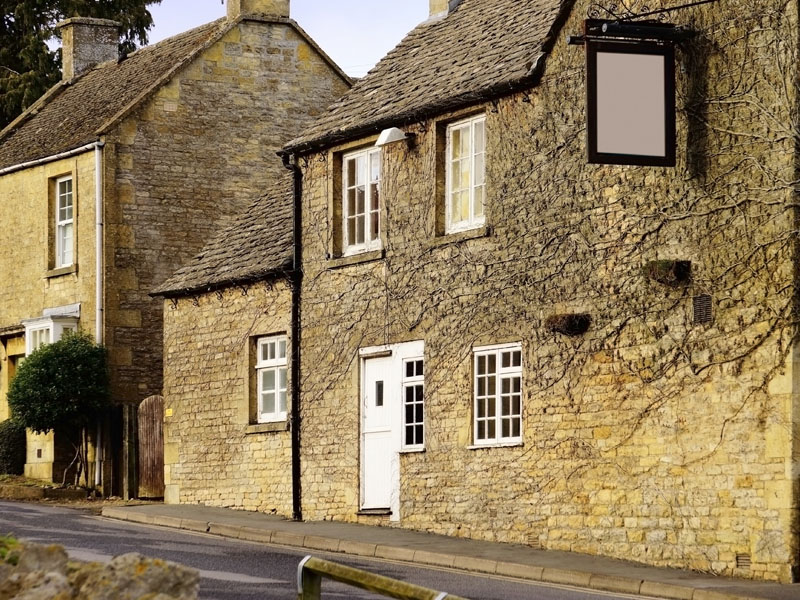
(651, 437)
(29, 282)
(196, 153)
(213, 453)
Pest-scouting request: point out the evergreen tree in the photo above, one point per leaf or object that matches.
(28, 67)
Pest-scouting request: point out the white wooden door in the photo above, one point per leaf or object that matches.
(379, 420)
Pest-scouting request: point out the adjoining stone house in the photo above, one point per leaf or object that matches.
(145, 157)
(502, 341)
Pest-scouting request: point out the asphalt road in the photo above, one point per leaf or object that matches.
(234, 570)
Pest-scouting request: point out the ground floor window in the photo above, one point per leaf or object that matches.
(271, 365)
(498, 394)
(413, 404)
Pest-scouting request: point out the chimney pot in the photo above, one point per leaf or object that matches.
(87, 42)
(275, 8)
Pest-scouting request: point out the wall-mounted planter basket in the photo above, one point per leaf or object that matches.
(673, 273)
(569, 324)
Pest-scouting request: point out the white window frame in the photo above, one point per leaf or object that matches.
(46, 330)
(477, 167)
(412, 382)
(277, 364)
(501, 373)
(65, 256)
(372, 240)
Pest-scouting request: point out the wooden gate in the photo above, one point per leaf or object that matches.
(151, 447)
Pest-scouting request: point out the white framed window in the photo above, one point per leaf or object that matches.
(46, 330)
(361, 209)
(65, 223)
(498, 394)
(271, 366)
(413, 404)
(465, 175)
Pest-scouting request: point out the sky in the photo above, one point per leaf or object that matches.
(354, 33)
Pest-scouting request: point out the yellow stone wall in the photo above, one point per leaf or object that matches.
(214, 454)
(650, 437)
(200, 150)
(29, 283)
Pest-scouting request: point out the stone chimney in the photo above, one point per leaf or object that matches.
(276, 8)
(442, 8)
(87, 42)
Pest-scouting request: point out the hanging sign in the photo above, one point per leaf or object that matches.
(630, 102)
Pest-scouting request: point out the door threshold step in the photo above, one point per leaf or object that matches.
(375, 512)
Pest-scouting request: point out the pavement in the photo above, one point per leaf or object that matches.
(510, 560)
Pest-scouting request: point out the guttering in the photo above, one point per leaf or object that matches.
(296, 282)
(99, 286)
(48, 159)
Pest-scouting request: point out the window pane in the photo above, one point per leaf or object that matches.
(409, 394)
(351, 231)
(418, 417)
(282, 378)
(506, 428)
(409, 436)
(455, 176)
(492, 358)
(268, 402)
(361, 170)
(455, 144)
(282, 401)
(420, 368)
(418, 393)
(481, 386)
(409, 413)
(375, 166)
(409, 370)
(480, 143)
(282, 349)
(515, 430)
(481, 409)
(268, 380)
(505, 359)
(465, 141)
(506, 386)
(351, 173)
(481, 365)
(374, 227)
(479, 169)
(360, 222)
(491, 429)
(361, 198)
(492, 388)
(455, 208)
(465, 175)
(517, 358)
(481, 430)
(351, 202)
(490, 408)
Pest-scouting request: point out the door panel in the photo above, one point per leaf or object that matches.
(378, 407)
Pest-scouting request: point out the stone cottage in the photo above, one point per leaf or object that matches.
(501, 340)
(126, 168)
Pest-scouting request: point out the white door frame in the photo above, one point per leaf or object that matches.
(397, 353)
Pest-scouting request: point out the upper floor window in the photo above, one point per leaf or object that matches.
(498, 394)
(271, 366)
(465, 186)
(361, 210)
(64, 225)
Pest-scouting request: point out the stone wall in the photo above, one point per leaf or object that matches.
(196, 153)
(213, 452)
(650, 437)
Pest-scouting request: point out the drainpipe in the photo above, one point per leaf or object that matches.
(98, 311)
(295, 282)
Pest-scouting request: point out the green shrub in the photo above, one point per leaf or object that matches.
(12, 448)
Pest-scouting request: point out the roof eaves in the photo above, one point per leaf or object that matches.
(168, 291)
(164, 79)
(332, 138)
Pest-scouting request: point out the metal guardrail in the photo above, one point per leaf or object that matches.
(311, 571)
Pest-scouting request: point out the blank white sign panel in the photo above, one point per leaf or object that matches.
(631, 104)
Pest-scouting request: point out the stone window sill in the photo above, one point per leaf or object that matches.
(411, 450)
(461, 236)
(356, 259)
(276, 427)
(60, 272)
(499, 445)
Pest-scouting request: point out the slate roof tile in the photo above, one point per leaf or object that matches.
(70, 115)
(258, 243)
(483, 47)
